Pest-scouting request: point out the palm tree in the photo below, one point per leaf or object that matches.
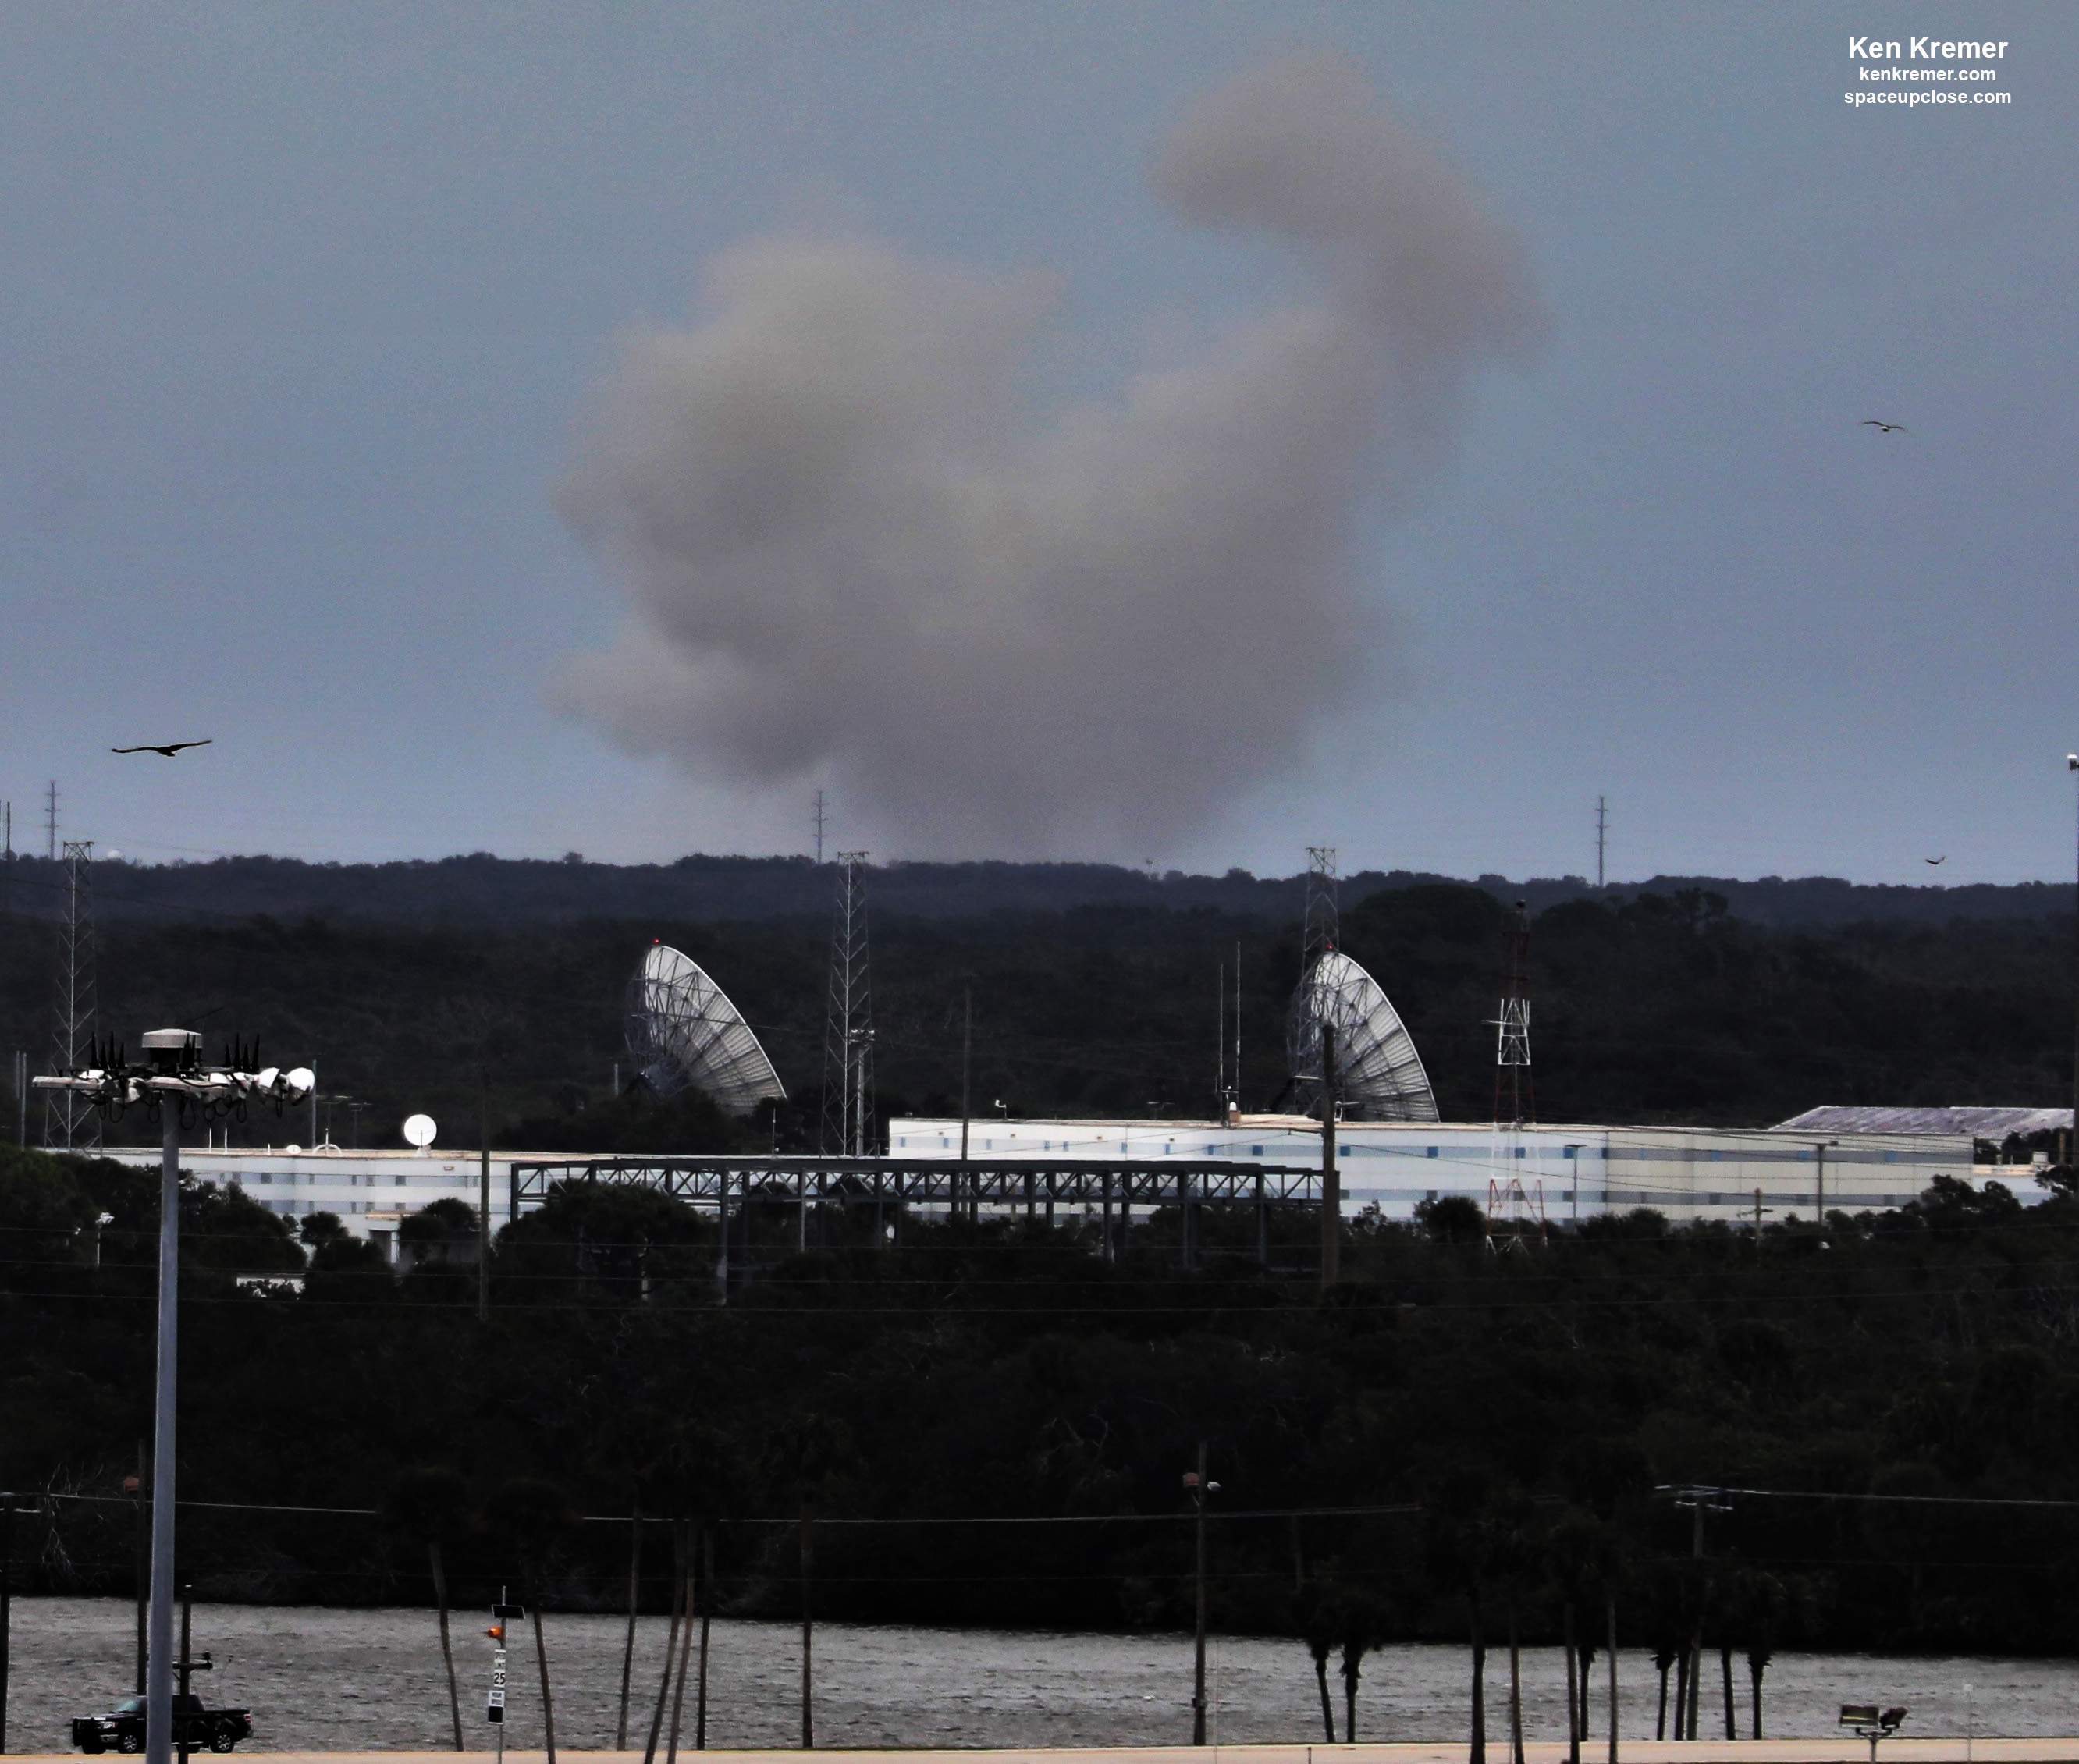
(804, 1455)
(529, 1515)
(427, 1505)
(678, 1557)
(695, 1477)
(1610, 1478)
(1664, 1655)
(1570, 1553)
(1318, 1625)
(1516, 1552)
(1360, 1630)
(1761, 1606)
(1458, 1545)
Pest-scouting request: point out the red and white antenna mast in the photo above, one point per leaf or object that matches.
(1515, 1099)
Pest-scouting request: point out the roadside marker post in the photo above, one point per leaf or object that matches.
(493, 1705)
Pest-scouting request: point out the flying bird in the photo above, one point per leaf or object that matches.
(1883, 428)
(1943, 858)
(169, 750)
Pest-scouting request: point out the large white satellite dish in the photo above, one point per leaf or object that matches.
(1378, 1073)
(419, 1131)
(683, 1031)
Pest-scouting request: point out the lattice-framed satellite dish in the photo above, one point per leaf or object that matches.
(419, 1131)
(1378, 1073)
(682, 1032)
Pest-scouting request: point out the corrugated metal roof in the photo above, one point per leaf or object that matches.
(1980, 1123)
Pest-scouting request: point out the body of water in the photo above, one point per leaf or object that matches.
(317, 1678)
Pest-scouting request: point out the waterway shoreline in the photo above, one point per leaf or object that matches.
(321, 1680)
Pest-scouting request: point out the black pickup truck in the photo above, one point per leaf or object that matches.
(122, 1729)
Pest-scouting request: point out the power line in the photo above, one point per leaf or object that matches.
(1402, 1507)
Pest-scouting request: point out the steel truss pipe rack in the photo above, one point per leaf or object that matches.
(1032, 1188)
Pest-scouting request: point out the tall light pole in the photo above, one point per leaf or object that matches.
(172, 1082)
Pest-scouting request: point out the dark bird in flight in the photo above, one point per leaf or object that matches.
(1943, 858)
(169, 750)
(1882, 428)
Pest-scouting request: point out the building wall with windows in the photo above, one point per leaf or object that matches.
(1566, 1172)
(372, 1192)
(1569, 1171)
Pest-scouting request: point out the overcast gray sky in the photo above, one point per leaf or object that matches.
(312, 317)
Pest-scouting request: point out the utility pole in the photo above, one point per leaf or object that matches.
(1198, 1487)
(808, 1634)
(1331, 1193)
(7, 1601)
(1700, 1501)
(1602, 826)
(143, 1518)
(1819, 1192)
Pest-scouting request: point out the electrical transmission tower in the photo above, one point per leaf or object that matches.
(70, 1122)
(1602, 831)
(848, 1042)
(1303, 1017)
(1514, 1098)
(821, 823)
(1323, 928)
(50, 821)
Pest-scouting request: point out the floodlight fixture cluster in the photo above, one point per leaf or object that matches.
(172, 1072)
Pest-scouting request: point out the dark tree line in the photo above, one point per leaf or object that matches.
(478, 891)
(1661, 1008)
(1502, 1418)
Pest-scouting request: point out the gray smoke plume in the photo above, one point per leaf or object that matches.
(853, 552)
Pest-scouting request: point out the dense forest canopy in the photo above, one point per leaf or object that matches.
(1653, 1009)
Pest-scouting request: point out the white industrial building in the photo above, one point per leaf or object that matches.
(370, 1191)
(1566, 1172)
(1570, 1171)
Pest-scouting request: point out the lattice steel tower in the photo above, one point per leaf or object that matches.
(70, 1122)
(1324, 929)
(848, 1129)
(1303, 1029)
(1515, 1101)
